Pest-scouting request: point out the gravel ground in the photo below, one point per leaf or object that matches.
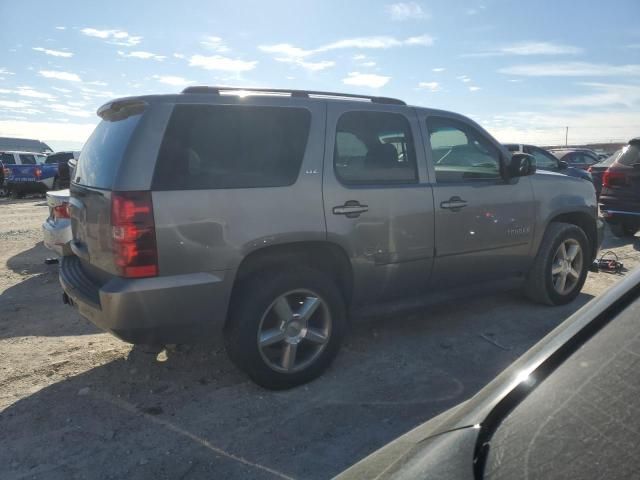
(78, 403)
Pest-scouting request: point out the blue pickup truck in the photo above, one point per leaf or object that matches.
(28, 172)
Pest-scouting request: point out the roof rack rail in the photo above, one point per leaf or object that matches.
(293, 93)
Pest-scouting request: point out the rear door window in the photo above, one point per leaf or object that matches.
(374, 148)
(27, 159)
(223, 146)
(7, 159)
(101, 155)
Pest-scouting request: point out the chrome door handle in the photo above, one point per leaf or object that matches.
(350, 209)
(454, 203)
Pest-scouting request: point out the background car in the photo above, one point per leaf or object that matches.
(61, 159)
(547, 161)
(568, 408)
(57, 227)
(597, 171)
(25, 172)
(581, 158)
(620, 196)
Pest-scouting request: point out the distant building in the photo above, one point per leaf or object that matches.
(24, 145)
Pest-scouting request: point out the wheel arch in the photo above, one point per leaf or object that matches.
(585, 222)
(324, 256)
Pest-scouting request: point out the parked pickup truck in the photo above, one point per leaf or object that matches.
(268, 218)
(26, 172)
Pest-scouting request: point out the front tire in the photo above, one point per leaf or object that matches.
(285, 327)
(561, 265)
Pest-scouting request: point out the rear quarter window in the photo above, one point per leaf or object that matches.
(222, 146)
(101, 155)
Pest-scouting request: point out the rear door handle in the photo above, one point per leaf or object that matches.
(454, 203)
(350, 209)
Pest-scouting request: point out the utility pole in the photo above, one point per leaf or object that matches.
(566, 137)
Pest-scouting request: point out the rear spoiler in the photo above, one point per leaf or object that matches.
(121, 109)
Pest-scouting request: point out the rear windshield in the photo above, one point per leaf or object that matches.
(630, 155)
(208, 146)
(101, 155)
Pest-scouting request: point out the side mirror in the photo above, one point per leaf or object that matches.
(521, 165)
(562, 165)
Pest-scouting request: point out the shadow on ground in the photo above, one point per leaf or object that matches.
(33, 307)
(195, 416)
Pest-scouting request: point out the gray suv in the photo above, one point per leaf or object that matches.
(270, 216)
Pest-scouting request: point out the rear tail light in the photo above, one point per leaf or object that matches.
(6, 171)
(37, 172)
(61, 211)
(134, 234)
(613, 178)
(590, 169)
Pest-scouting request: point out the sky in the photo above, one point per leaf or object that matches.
(524, 70)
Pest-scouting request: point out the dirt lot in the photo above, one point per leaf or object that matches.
(77, 403)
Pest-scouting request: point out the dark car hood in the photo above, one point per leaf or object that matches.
(438, 440)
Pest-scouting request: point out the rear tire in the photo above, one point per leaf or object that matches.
(271, 336)
(556, 278)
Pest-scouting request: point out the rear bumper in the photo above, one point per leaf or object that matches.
(615, 209)
(27, 186)
(159, 310)
(57, 236)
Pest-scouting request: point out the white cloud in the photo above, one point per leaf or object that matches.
(13, 104)
(70, 110)
(420, 40)
(218, 62)
(376, 42)
(359, 57)
(607, 95)
(71, 77)
(61, 28)
(463, 78)
(540, 48)
(431, 86)
(4, 71)
(571, 69)
(98, 83)
(173, 80)
(406, 11)
(31, 93)
(473, 89)
(549, 128)
(116, 37)
(215, 43)
(529, 48)
(179, 55)
(368, 64)
(61, 90)
(365, 80)
(142, 55)
(438, 70)
(53, 53)
(47, 130)
(285, 52)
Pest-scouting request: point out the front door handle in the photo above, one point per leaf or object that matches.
(350, 209)
(454, 203)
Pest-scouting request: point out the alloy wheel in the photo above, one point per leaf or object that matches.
(294, 331)
(567, 266)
